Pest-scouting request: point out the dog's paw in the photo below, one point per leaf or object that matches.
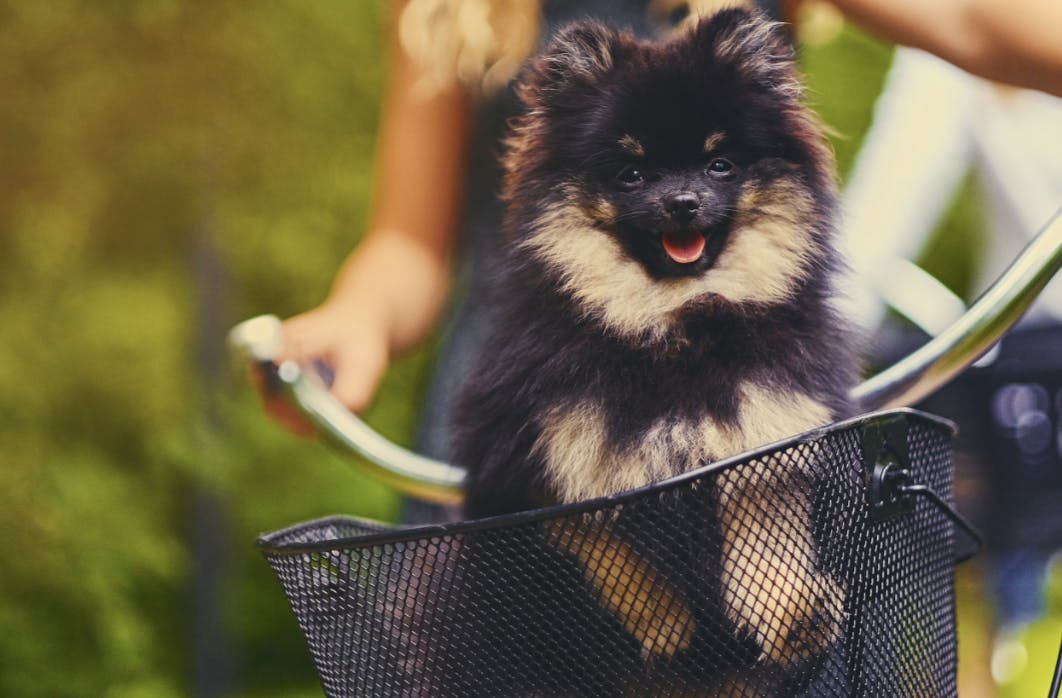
(793, 615)
(638, 596)
(662, 623)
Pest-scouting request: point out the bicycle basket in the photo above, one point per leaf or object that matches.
(808, 568)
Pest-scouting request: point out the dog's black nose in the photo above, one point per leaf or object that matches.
(681, 206)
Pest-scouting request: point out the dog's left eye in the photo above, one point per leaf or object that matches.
(720, 166)
(630, 175)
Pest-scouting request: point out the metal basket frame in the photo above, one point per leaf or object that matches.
(400, 630)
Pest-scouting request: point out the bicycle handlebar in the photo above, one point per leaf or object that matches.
(258, 341)
(952, 351)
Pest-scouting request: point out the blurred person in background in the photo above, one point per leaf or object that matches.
(932, 124)
(436, 208)
(450, 61)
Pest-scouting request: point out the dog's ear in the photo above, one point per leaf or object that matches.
(756, 51)
(578, 57)
(752, 45)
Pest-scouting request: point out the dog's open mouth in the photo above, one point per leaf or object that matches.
(683, 247)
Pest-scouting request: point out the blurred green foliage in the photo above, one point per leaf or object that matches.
(167, 168)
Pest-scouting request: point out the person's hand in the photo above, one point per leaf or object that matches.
(347, 336)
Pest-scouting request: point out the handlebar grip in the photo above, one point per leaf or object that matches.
(258, 341)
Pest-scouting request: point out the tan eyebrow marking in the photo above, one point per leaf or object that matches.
(713, 141)
(632, 146)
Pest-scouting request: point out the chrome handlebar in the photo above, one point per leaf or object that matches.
(258, 341)
(972, 335)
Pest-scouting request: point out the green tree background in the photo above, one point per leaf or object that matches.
(168, 168)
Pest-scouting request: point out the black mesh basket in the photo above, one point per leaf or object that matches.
(810, 568)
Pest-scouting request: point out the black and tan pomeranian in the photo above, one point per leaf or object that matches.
(666, 300)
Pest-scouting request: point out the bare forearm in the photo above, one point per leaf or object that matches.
(401, 270)
(391, 290)
(400, 281)
(1017, 42)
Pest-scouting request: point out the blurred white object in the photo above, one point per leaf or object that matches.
(932, 124)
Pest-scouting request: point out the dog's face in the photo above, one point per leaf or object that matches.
(663, 174)
(666, 188)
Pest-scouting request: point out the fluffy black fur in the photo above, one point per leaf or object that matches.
(668, 273)
(733, 74)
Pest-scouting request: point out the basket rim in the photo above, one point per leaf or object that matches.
(383, 533)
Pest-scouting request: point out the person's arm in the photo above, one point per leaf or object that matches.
(1017, 42)
(391, 290)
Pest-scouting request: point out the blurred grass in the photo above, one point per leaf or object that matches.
(169, 168)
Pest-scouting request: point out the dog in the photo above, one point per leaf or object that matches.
(666, 300)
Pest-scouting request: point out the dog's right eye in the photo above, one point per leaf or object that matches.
(630, 175)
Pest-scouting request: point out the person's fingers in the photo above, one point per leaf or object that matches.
(289, 417)
(358, 371)
(305, 337)
(357, 360)
(278, 408)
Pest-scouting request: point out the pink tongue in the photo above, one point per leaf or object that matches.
(683, 248)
